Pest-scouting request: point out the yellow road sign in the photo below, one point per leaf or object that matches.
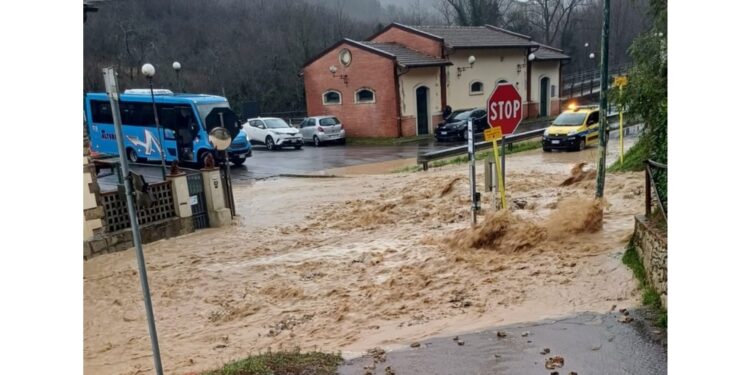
(493, 134)
(621, 81)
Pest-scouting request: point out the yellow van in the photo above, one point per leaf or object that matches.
(573, 129)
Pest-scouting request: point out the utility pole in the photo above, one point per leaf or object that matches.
(603, 126)
(110, 82)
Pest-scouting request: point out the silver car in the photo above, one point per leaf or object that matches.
(321, 129)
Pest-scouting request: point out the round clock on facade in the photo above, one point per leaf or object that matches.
(345, 57)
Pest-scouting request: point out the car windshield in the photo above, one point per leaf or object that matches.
(205, 109)
(570, 118)
(329, 121)
(459, 115)
(276, 123)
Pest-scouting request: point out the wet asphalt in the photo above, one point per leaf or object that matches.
(264, 164)
(589, 343)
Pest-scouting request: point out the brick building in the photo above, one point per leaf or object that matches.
(398, 81)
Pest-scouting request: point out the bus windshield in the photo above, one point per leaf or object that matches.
(205, 109)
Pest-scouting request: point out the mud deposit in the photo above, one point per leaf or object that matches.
(361, 262)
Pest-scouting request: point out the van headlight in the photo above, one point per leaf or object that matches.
(546, 132)
(572, 132)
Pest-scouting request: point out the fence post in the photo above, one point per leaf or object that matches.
(648, 190)
(180, 194)
(218, 214)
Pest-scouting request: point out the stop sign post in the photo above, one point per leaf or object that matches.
(504, 113)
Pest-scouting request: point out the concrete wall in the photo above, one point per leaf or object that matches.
(367, 69)
(408, 84)
(123, 240)
(651, 244)
(92, 211)
(491, 65)
(550, 69)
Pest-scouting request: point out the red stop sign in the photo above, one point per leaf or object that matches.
(504, 108)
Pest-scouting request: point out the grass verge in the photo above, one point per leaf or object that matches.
(633, 158)
(510, 149)
(649, 296)
(283, 363)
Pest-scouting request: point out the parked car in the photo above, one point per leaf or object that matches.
(457, 123)
(322, 129)
(572, 129)
(272, 132)
(240, 149)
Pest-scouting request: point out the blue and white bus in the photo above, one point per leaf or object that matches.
(183, 118)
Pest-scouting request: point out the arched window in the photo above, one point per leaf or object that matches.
(476, 88)
(331, 97)
(499, 81)
(364, 95)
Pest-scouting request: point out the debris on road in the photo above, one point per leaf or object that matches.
(554, 362)
(625, 319)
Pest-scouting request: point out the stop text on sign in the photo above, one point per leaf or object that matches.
(508, 109)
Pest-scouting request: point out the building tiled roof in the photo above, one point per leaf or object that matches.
(406, 56)
(549, 53)
(477, 36)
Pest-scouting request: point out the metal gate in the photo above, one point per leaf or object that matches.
(197, 199)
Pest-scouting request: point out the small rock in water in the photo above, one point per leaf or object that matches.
(415, 345)
(554, 373)
(596, 347)
(572, 373)
(497, 355)
(544, 351)
(388, 371)
(623, 310)
(455, 338)
(460, 342)
(525, 334)
(554, 362)
(624, 319)
(501, 334)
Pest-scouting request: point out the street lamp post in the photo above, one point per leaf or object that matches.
(177, 67)
(149, 71)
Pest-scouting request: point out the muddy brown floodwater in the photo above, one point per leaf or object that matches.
(362, 261)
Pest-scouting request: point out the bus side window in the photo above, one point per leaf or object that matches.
(101, 112)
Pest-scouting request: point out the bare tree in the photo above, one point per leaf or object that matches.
(551, 17)
(472, 12)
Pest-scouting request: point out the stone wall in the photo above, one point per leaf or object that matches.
(651, 245)
(104, 243)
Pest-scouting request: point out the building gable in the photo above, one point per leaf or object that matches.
(410, 37)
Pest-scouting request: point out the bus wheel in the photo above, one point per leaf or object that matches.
(132, 155)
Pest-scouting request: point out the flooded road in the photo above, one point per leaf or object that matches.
(362, 261)
(589, 343)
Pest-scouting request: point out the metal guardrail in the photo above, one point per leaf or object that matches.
(587, 82)
(651, 167)
(426, 158)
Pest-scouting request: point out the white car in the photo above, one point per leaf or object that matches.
(320, 129)
(272, 132)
